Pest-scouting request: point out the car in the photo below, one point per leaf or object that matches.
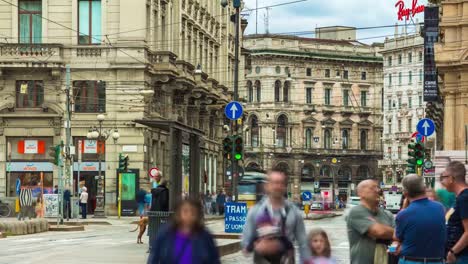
(316, 206)
(353, 201)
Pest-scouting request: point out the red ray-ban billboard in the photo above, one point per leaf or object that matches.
(405, 12)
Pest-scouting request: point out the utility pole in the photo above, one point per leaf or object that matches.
(237, 5)
(60, 186)
(68, 154)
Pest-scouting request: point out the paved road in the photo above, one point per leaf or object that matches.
(115, 244)
(98, 244)
(336, 230)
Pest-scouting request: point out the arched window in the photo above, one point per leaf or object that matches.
(282, 166)
(307, 173)
(250, 91)
(327, 139)
(344, 173)
(258, 88)
(281, 128)
(363, 172)
(325, 172)
(363, 139)
(254, 138)
(345, 139)
(287, 84)
(277, 90)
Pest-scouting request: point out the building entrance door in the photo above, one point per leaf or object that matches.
(89, 180)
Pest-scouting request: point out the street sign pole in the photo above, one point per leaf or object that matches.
(234, 112)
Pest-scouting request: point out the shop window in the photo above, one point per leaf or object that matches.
(31, 180)
(90, 96)
(89, 22)
(29, 94)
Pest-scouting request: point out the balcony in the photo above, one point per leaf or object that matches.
(162, 62)
(16, 55)
(319, 151)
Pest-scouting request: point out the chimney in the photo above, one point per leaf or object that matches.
(396, 30)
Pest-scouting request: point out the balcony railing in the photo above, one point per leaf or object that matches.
(321, 151)
(16, 53)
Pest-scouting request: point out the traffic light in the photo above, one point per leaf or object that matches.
(123, 162)
(227, 148)
(419, 154)
(416, 156)
(238, 148)
(54, 153)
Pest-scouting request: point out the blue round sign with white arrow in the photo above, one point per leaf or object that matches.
(426, 127)
(306, 196)
(233, 110)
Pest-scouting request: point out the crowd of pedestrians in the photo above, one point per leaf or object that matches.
(432, 227)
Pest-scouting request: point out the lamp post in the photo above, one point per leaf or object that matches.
(101, 135)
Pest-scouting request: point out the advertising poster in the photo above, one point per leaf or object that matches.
(51, 206)
(128, 186)
(185, 169)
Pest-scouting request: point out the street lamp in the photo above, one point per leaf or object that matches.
(101, 135)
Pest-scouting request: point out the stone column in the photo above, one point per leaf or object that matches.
(449, 122)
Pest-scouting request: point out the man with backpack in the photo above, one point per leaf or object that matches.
(271, 242)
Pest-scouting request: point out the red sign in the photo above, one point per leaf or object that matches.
(407, 12)
(31, 147)
(153, 172)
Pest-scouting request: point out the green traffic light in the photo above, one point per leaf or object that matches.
(419, 162)
(238, 156)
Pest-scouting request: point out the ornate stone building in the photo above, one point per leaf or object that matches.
(451, 53)
(159, 70)
(403, 100)
(315, 110)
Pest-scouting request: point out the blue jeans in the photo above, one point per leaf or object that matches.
(83, 210)
(402, 261)
(141, 208)
(462, 260)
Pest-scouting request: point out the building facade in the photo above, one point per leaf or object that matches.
(403, 100)
(450, 56)
(314, 110)
(159, 70)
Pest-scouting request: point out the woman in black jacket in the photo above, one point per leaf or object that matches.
(185, 240)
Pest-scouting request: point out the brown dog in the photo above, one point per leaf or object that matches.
(142, 226)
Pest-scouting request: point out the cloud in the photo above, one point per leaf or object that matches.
(306, 16)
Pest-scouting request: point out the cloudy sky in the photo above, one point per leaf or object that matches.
(306, 16)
